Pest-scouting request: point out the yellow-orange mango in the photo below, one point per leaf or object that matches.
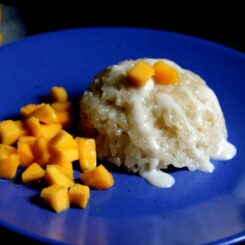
(23, 131)
(63, 140)
(165, 74)
(45, 114)
(8, 166)
(26, 110)
(66, 168)
(79, 195)
(48, 131)
(64, 118)
(56, 197)
(140, 73)
(9, 132)
(59, 156)
(25, 153)
(6, 151)
(41, 152)
(27, 139)
(54, 176)
(87, 153)
(58, 94)
(99, 178)
(62, 106)
(34, 127)
(63, 148)
(33, 173)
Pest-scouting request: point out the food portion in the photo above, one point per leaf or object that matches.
(144, 115)
(149, 114)
(42, 146)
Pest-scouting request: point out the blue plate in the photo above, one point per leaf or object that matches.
(199, 208)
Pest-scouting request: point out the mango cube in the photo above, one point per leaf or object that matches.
(54, 176)
(9, 132)
(79, 195)
(87, 153)
(48, 131)
(64, 140)
(8, 166)
(140, 73)
(25, 111)
(61, 157)
(34, 126)
(165, 74)
(62, 106)
(56, 197)
(58, 94)
(45, 114)
(66, 168)
(40, 150)
(25, 153)
(64, 118)
(6, 151)
(33, 173)
(99, 178)
(27, 139)
(23, 131)
(63, 148)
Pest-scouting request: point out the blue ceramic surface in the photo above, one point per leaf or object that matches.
(200, 208)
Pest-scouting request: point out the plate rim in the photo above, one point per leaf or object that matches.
(125, 28)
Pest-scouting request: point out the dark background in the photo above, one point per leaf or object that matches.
(221, 23)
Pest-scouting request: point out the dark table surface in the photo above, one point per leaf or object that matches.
(221, 25)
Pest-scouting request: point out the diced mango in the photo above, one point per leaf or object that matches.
(99, 178)
(23, 131)
(34, 126)
(63, 140)
(59, 156)
(48, 131)
(58, 94)
(87, 153)
(37, 129)
(79, 195)
(66, 168)
(54, 176)
(41, 152)
(9, 132)
(62, 106)
(165, 74)
(140, 73)
(8, 166)
(6, 151)
(41, 142)
(27, 139)
(25, 111)
(33, 173)
(64, 118)
(45, 114)
(56, 197)
(63, 148)
(25, 153)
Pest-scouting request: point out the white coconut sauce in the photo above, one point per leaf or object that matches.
(139, 117)
(226, 151)
(206, 167)
(158, 178)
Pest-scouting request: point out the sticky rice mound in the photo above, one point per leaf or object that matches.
(154, 126)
